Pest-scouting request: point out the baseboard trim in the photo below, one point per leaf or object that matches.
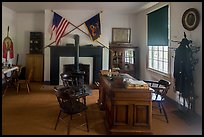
(181, 108)
(46, 82)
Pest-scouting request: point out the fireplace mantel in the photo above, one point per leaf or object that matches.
(69, 51)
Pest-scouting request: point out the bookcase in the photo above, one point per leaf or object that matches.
(125, 58)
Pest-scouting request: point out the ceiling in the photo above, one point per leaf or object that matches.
(122, 7)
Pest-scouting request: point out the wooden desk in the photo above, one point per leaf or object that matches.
(127, 111)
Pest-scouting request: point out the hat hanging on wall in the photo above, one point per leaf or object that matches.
(190, 19)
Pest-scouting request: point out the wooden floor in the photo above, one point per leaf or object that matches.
(36, 114)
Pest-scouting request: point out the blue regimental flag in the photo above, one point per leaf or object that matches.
(94, 27)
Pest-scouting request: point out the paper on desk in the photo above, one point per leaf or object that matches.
(136, 82)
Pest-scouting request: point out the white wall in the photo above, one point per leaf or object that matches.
(26, 23)
(176, 33)
(9, 19)
(77, 17)
(20, 26)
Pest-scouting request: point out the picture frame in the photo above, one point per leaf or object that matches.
(190, 19)
(121, 35)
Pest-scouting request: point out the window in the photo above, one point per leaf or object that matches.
(129, 56)
(158, 58)
(158, 36)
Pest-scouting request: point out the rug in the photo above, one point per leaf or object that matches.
(47, 87)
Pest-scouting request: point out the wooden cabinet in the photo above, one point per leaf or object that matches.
(127, 111)
(35, 61)
(124, 57)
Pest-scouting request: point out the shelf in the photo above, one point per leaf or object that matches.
(123, 55)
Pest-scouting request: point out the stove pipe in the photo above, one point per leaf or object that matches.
(76, 58)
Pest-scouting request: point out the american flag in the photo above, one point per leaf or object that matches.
(59, 25)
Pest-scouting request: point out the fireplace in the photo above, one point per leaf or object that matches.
(68, 51)
(66, 64)
(69, 68)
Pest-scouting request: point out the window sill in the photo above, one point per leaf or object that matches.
(158, 73)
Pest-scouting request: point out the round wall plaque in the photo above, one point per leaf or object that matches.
(190, 19)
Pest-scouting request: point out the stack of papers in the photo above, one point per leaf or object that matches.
(136, 84)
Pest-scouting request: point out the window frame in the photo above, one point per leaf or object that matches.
(168, 56)
(163, 61)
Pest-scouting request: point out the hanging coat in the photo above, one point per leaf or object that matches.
(183, 69)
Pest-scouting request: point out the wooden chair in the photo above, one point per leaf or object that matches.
(76, 82)
(25, 81)
(159, 91)
(17, 73)
(9, 81)
(69, 105)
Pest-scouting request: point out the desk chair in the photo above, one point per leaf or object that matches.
(69, 105)
(25, 81)
(159, 92)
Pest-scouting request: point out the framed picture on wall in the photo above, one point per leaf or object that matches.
(190, 19)
(121, 35)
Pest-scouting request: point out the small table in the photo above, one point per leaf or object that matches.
(6, 70)
(8, 80)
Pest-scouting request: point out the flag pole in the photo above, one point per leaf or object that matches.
(89, 36)
(76, 27)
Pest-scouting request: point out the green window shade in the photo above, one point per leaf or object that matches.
(158, 27)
